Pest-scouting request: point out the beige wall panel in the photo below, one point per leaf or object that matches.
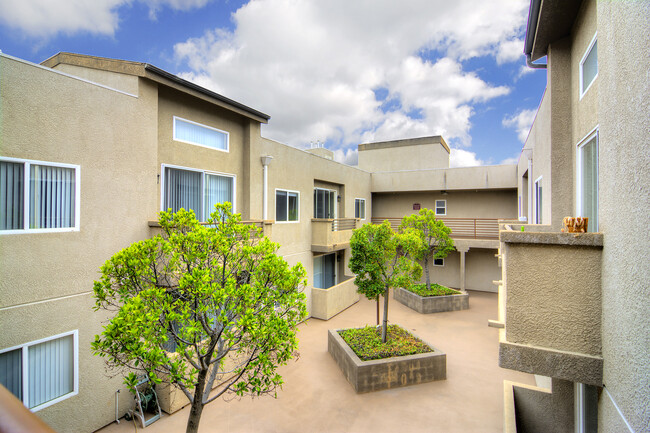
(481, 268)
(50, 117)
(123, 82)
(624, 194)
(447, 275)
(412, 157)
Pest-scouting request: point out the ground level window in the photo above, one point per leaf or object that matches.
(286, 205)
(360, 208)
(441, 207)
(196, 190)
(438, 262)
(43, 372)
(325, 271)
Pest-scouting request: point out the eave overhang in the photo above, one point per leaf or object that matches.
(548, 21)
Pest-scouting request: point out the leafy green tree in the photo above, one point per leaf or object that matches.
(434, 235)
(208, 308)
(380, 260)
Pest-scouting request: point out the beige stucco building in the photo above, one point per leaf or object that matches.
(91, 149)
(575, 306)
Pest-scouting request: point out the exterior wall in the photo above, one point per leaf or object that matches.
(123, 82)
(47, 277)
(481, 269)
(460, 204)
(413, 154)
(623, 115)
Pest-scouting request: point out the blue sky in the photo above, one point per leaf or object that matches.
(341, 72)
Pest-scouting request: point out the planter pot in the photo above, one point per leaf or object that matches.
(378, 374)
(431, 304)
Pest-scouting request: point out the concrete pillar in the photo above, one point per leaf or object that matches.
(462, 251)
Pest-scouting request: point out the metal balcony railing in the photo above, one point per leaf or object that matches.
(341, 224)
(461, 228)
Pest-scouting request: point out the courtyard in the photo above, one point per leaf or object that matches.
(316, 397)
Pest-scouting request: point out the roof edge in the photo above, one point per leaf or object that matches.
(432, 139)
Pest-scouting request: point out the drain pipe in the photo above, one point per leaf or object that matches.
(532, 65)
(266, 160)
(117, 406)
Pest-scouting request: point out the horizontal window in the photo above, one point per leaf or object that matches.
(441, 207)
(201, 135)
(43, 372)
(438, 262)
(360, 208)
(286, 205)
(196, 190)
(38, 196)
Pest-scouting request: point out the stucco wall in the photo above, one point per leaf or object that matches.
(624, 193)
(415, 154)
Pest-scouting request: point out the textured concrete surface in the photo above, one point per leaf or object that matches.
(389, 373)
(327, 303)
(317, 398)
(431, 304)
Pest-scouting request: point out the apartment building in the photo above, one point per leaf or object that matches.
(91, 149)
(575, 307)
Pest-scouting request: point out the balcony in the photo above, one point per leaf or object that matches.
(329, 235)
(550, 296)
(461, 228)
(327, 303)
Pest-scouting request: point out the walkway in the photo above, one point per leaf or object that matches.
(317, 398)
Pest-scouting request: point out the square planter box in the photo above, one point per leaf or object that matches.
(431, 304)
(368, 376)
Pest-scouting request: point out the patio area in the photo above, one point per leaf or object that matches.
(317, 398)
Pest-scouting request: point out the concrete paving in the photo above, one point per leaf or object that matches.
(317, 398)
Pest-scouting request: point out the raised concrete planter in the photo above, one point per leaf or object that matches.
(431, 304)
(326, 303)
(368, 376)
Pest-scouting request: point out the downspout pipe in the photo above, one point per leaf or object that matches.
(266, 160)
(531, 30)
(532, 65)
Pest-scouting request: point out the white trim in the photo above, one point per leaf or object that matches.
(582, 61)
(226, 133)
(629, 427)
(276, 206)
(59, 298)
(364, 208)
(336, 199)
(434, 261)
(435, 207)
(203, 172)
(537, 216)
(66, 75)
(26, 173)
(25, 367)
(587, 139)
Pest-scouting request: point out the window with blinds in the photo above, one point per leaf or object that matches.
(43, 372)
(360, 208)
(589, 67)
(38, 196)
(200, 135)
(196, 190)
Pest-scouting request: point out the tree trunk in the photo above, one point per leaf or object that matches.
(384, 328)
(197, 405)
(426, 270)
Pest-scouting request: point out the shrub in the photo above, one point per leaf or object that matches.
(366, 342)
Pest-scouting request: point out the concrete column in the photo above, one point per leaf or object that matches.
(462, 252)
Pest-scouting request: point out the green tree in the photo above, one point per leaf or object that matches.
(434, 235)
(380, 260)
(208, 308)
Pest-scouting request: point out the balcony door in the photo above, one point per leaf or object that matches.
(324, 203)
(325, 271)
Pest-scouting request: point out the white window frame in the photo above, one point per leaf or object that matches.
(276, 206)
(434, 262)
(435, 206)
(227, 149)
(26, 173)
(593, 133)
(336, 200)
(537, 213)
(582, 62)
(203, 173)
(25, 368)
(364, 208)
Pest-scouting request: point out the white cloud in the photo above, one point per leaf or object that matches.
(521, 122)
(464, 158)
(508, 161)
(524, 70)
(510, 51)
(347, 156)
(313, 65)
(46, 18)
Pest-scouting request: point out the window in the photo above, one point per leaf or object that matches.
(538, 201)
(441, 207)
(196, 190)
(360, 208)
(38, 196)
(589, 67)
(43, 372)
(438, 262)
(325, 271)
(201, 135)
(324, 203)
(286, 205)
(587, 184)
